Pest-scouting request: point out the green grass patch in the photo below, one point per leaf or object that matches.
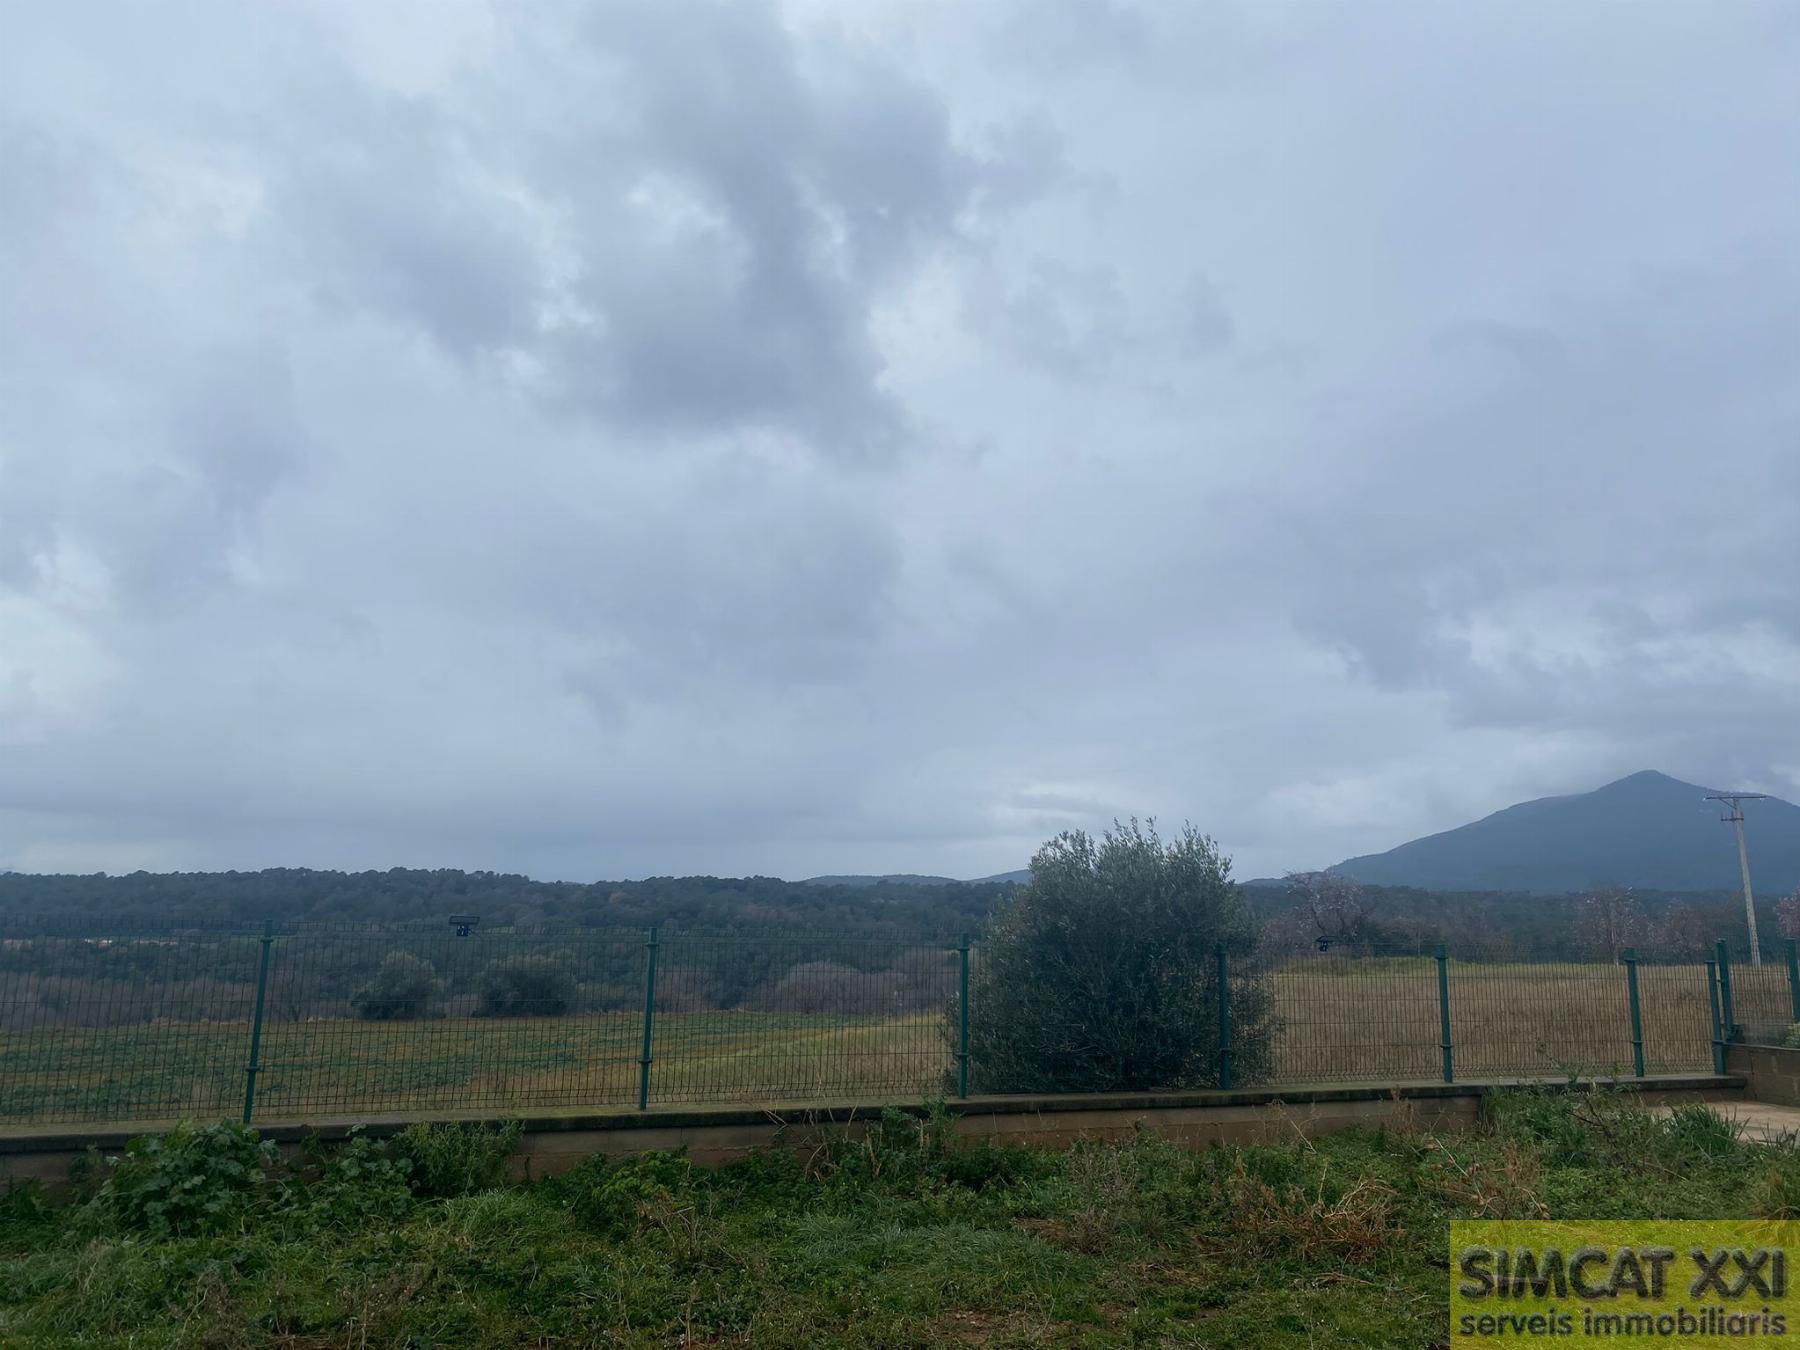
(905, 1237)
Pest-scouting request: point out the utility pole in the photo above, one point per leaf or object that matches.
(1734, 816)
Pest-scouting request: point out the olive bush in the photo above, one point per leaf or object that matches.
(1101, 975)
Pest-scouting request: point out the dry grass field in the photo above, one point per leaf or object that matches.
(1363, 1020)
(1337, 1020)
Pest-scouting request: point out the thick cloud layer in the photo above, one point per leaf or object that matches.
(600, 439)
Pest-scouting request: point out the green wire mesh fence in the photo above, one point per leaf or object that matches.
(319, 1023)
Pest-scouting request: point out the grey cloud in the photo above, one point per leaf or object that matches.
(383, 212)
(1531, 349)
(240, 427)
(1596, 485)
(1206, 324)
(1055, 37)
(696, 253)
(781, 585)
(557, 456)
(1070, 320)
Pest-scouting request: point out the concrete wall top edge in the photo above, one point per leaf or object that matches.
(805, 1115)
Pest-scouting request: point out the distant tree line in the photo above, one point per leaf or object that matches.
(1296, 911)
(1307, 909)
(145, 902)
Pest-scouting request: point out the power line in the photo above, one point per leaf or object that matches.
(1734, 816)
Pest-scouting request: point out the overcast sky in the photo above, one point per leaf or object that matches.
(607, 439)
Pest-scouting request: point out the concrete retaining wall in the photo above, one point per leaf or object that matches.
(713, 1135)
(1771, 1073)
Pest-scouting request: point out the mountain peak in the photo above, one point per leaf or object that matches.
(1647, 829)
(1642, 776)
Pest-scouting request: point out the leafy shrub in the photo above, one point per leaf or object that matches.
(359, 1180)
(898, 1147)
(23, 1207)
(444, 1160)
(1101, 973)
(1571, 1128)
(614, 1198)
(404, 986)
(192, 1180)
(1791, 1041)
(525, 986)
(983, 1166)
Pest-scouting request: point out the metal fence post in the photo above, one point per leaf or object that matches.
(1629, 957)
(1224, 1018)
(649, 1022)
(1728, 1015)
(256, 1021)
(1712, 998)
(1443, 965)
(962, 1018)
(1793, 966)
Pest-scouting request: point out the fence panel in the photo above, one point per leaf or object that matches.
(1762, 1003)
(124, 1029)
(1539, 1019)
(507, 1021)
(1676, 1015)
(413, 1022)
(1351, 1015)
(803, 1019)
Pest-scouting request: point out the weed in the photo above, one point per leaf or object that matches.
(1573, 1126)
(1502, 1185)
(1775, 1192)
(1123, 1191)
(909, 1152)
(445, 1159)
(1312, 1223)
(23, 1207)
(1695, 1132)
(194, 1179)
(352, 1183)
(614, 1199)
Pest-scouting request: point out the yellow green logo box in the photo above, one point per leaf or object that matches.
(1624, 1282)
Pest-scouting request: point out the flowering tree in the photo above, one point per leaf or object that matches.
(1609, 919)
(1787, 914)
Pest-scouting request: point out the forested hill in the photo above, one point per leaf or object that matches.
(150, 903)
(1647, 831)
(145, 901)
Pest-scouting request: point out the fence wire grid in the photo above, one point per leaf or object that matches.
(321, 1023)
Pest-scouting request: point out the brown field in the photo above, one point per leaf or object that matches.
(1336, 1021)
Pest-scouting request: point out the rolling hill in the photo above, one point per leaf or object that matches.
(1647, 830)
(858, 879)
(915, 879)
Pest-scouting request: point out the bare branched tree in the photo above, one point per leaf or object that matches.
(1609, 919)
(1685, 930)
(1341, 911)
